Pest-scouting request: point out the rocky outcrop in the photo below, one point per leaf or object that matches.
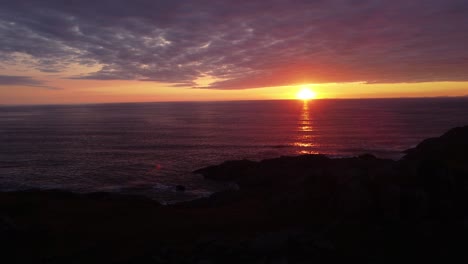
(450, 148)
(303, 209)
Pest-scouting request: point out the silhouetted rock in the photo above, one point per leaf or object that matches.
(449, 149)
(302, 209)
(180, 188)
(227, 171)
(7, 226)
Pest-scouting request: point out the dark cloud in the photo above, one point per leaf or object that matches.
(249, 44)
(11, 80)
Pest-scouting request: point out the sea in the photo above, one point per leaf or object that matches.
(150, 148)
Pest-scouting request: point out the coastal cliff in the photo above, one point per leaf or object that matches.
(286, 210)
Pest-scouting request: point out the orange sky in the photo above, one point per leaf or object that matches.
(72, 91)
(156, 50)
(90, 91)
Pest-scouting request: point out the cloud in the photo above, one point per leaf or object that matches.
(11, 80)
(246, 45)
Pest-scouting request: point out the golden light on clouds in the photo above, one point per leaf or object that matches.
(93, 91)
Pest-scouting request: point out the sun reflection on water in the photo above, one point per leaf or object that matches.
(304, 141)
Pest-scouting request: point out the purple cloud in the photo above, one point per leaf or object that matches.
(11, 80)
(246, 45)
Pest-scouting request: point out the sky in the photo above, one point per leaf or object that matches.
(83, 51)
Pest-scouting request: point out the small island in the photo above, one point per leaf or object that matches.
(303, 209)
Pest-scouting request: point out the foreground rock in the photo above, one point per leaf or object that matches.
(287, 210)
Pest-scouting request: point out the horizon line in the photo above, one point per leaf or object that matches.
(235, 100)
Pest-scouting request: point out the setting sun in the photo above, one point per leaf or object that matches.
(306, 94)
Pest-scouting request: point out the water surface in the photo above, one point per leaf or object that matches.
(148, 148)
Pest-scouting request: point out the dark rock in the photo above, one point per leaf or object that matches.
(180, 188)
(227, 171)
(450, 149)
(7, 226)
(367, 156)
(362, 208)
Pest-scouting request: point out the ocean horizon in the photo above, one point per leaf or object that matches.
(149, 148)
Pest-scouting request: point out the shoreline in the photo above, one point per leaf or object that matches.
(299, 209)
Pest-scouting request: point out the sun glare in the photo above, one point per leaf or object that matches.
(306, 94)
